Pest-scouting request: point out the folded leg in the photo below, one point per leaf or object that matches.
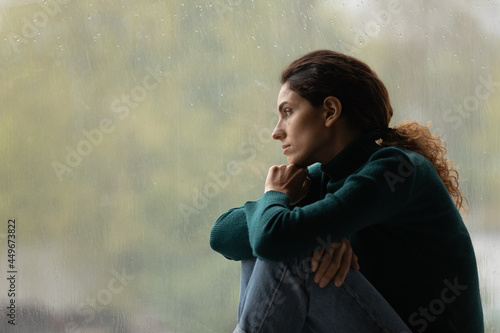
(282, 297)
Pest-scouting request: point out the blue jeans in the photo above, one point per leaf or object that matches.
(281, 297)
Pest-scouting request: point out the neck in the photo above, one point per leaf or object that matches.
(342, 136)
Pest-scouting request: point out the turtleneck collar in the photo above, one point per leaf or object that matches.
(353, 156)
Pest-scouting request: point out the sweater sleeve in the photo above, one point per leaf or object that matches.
(229, 235)
(372, 195)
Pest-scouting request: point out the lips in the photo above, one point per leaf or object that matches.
(285, 148)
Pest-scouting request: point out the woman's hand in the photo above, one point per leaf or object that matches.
(289, 179)
(333, 261)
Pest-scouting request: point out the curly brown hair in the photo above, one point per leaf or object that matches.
(366, 106)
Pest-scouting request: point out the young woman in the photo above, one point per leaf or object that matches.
(390, 191)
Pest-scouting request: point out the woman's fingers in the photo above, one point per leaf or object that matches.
(316, 258)
(354, 262)
(334, 261)
(289, 179)
(298, 196)
(345, 264)
(329, 263)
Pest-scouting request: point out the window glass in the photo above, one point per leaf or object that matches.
(128, 127)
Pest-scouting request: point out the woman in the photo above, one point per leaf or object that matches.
(391, 191)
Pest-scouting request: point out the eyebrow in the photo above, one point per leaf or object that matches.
(280, 108)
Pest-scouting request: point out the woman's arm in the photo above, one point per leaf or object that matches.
(229, 235)
(371, 195)
(331, 261)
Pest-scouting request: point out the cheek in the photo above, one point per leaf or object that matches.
(307, 133)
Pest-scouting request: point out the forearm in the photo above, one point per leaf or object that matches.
(229, 235)
(278, 232)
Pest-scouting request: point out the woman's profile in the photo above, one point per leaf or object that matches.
(389, 192)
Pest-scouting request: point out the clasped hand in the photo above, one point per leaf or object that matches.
(332, 261)
(289, 179)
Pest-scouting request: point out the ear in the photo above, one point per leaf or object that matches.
(332, 110)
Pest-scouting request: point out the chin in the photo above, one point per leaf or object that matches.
(298, 162)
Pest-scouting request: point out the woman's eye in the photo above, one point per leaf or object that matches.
(287, 112)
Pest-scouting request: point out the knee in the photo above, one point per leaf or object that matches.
(301, 267)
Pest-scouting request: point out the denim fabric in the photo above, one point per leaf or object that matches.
(281, 297)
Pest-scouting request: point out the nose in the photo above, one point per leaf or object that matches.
(278, 133)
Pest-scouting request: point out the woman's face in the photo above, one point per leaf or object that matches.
(301, 129)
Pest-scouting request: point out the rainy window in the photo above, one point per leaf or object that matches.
(128, 127)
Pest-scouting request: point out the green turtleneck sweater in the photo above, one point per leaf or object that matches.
(409, 237)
